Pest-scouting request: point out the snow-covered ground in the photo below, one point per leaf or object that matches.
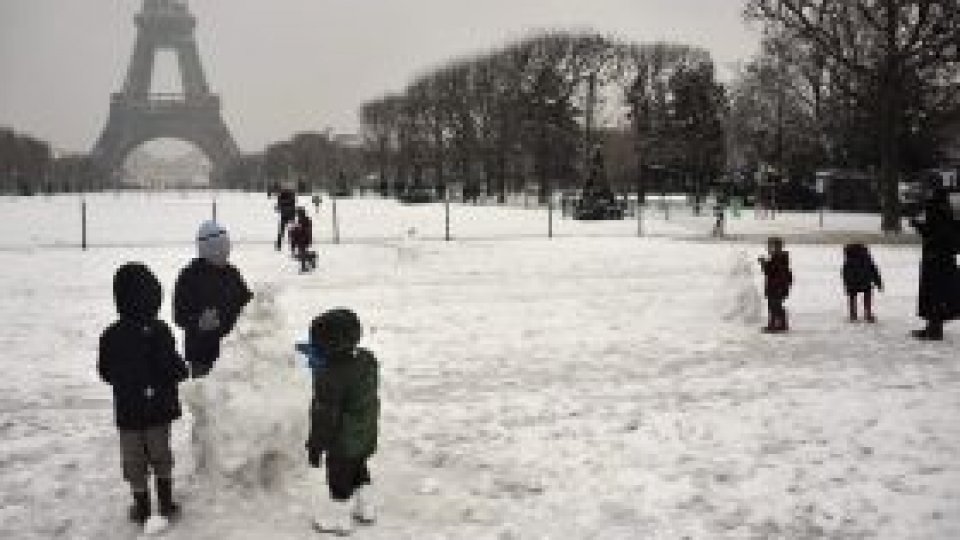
(596, 385)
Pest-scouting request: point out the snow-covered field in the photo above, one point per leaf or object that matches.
(596, 385)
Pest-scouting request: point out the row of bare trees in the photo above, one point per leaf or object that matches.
(859, 83)
(23, 159)
(28, 165)
(541, 109)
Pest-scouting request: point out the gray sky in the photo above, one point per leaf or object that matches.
(283, 66)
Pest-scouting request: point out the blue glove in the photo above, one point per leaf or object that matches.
(315, 354)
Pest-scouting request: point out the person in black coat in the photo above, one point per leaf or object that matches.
(939, 295)
(287, 208)
(301, 238)
(208, 297)
(860, 275)
(776, 285)
(138, 358)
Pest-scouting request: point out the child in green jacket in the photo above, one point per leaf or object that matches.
(344, 415)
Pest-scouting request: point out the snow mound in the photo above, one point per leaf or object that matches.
(744, 303)
(250, 413)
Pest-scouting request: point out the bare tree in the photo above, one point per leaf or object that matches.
(895, 53)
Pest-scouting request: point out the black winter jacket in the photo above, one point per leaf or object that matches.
(778, 277)
(860, 273)
(138, 356)
(202, 285)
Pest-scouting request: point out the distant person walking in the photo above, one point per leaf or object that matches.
(860, 276)
(939, 295)
(287, 209)
(301, 238)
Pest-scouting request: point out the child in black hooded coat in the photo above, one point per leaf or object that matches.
(860, 276)
(139, 359)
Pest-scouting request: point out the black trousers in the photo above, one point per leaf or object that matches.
(284, 221)
(345, 475)
(776, 311)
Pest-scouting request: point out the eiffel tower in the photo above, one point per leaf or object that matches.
(138, 116)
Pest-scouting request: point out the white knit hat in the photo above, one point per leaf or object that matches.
(213, 243)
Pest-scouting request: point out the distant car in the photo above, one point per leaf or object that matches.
(418, 195)
(598, 203)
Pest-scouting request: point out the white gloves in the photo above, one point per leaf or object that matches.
(209, 320)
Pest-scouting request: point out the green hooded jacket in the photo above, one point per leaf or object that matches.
(345, 409)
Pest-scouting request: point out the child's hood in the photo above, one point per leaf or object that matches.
(136, 292)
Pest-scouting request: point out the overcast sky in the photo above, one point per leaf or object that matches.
(283, 66)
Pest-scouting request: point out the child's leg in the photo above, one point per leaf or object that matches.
(780, 314)
(364, 508)
(161, 460)
(135, 472)
(852, 302)
(135, 459)
(341, 479)
(868, 306)
(343, 475)
(771, 313)
(158, 451)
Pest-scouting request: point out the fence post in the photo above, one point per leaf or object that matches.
(336, 225)
(639, 217)
(83, 224)
(446, 206)
(549, 215)
(214, 209)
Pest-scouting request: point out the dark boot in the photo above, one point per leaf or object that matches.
(140, 509)
(933, 332)
(167, 508)
(853, 308)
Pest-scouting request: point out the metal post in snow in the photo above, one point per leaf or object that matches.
(336, 225)
(83, 224)
(446, 207)
(549, 214)
(639, 217)
(214, 209)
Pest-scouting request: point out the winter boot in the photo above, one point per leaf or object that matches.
(364, 510)
(167, 508)
(140, 509)
(933, 332)
(853, 309)
(334, 517)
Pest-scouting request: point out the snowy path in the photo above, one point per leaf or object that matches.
(579, 388)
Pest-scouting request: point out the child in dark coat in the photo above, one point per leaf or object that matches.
(301, 238)
(777, 282)
(344, 415)
(860, 275)
(207, 299)
(139, 359)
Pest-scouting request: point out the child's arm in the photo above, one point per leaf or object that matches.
(105, 356)
(185, 314)
(173, 365)
(875, 271)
